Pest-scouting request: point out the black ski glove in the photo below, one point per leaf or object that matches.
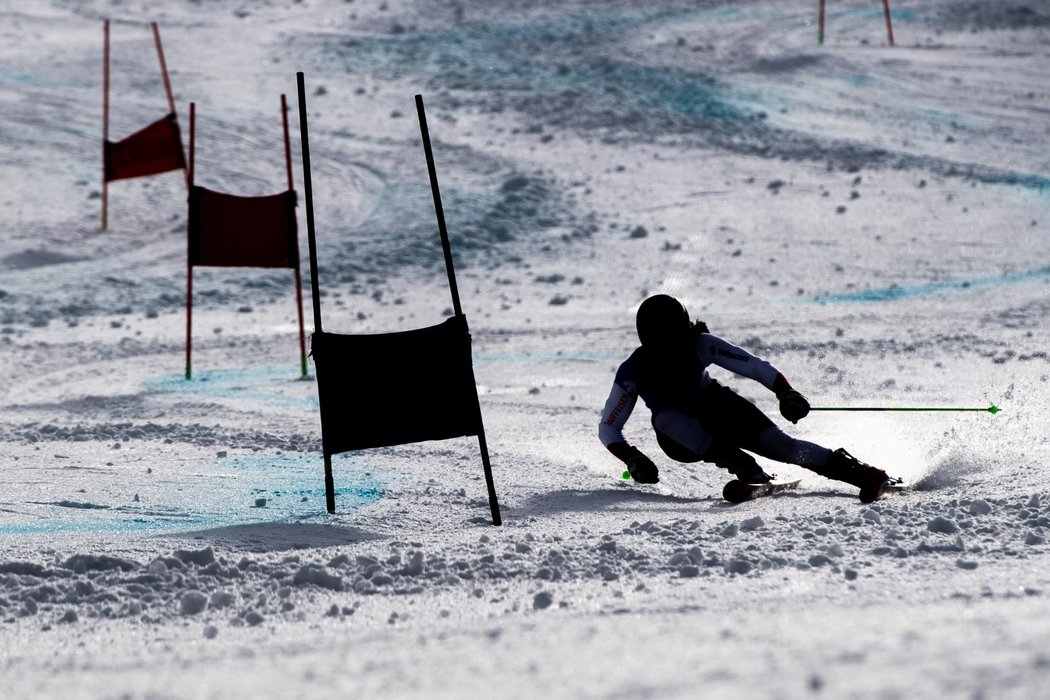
(793, 405)
(642, 469)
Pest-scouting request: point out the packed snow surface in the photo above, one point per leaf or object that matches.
(870, 218)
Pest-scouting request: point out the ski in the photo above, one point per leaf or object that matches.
(894, 486)
(737, 491)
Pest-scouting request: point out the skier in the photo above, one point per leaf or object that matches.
(698, 419)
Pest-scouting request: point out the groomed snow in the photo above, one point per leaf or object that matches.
(871, 219)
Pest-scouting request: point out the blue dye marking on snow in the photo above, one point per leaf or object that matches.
(261, 385)
(875, 14)
(894, 292)
(217, 493)
(502, 56)
(38, 81)
(11, 76)
(680, 92)
(55, 527)
(718, 12)
(861, 80)
(1029, 181)
(904, 15)
(27, 79)
(494, 54)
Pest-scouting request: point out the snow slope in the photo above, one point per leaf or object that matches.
(871, 219)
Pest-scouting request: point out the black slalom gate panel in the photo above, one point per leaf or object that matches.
(378, 390)
(395, 388)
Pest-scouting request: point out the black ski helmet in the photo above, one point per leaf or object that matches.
(662, 320)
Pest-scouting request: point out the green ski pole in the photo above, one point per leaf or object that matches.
(993, 409)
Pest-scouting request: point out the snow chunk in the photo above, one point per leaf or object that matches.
(82, 563)
(341, 560)
(738, 566)
(415, 565)
(23, 568)
(682, 558)
(689, 571)
(754, 523)
(201, 557)
(222, 599)
(542, 601)
(943, 525)
(980, 507)
(318, 576)
(192, 602)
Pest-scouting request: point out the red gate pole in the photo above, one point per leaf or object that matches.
(287, 141)
(105, 123)
(889, 25)
(167, 80)
(298, 274)
(163, 68)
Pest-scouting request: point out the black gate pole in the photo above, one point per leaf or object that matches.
(315, 292)
(445, 247)
(451, 270)
(493, 503)
(308, 191)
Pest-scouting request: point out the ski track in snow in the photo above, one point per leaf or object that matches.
(871, 219)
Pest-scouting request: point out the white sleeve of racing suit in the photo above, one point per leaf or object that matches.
(617, 410)
(714, 350)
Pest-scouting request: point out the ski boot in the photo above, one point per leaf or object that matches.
(738, 463)
(751, 480)
(753, 474)
(843, 466)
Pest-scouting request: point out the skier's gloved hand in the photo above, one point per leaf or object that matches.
(793, 405)
(642, 469)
